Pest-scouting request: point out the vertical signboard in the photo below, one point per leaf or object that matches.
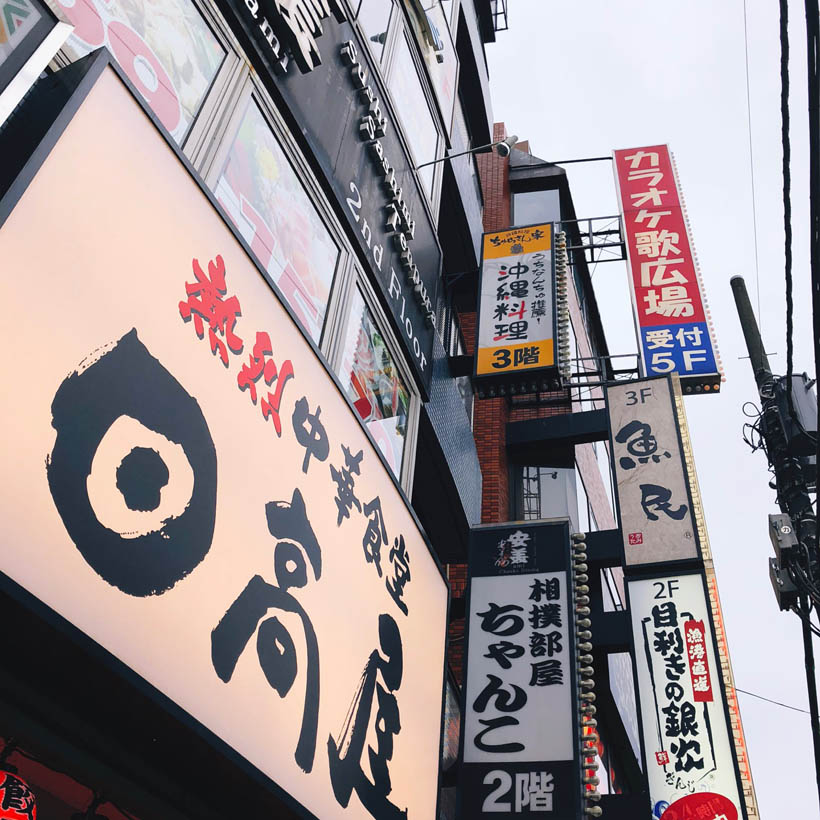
(689, 761)
(191, 488)
(655, 509)
(516, 310)
(520, 745)
(670, 307)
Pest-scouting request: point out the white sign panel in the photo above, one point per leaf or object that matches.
(653, 498)
(520, 735)
(191, 489)
(689, 759)
(519, 666)
(516, 324)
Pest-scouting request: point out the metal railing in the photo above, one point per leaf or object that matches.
(601, 237)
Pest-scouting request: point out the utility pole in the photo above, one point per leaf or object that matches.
(788, 436)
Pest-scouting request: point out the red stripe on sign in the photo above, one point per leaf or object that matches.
(695, 634)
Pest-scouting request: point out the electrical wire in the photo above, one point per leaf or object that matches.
(787, 201)
(752, 433)
(769, 700)
(751, 163)
(813, 67)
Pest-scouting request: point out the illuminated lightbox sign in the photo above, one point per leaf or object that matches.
(690, 762)
(192, 489)
(516, 310)
(520, 724)
(670, 307)
(653, 497)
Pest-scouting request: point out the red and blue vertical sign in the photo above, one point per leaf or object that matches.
(673, 322)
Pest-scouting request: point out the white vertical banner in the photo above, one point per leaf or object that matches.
(520, 733)
(519, 654)
(516, 312)
(689, 762)
(650, 473)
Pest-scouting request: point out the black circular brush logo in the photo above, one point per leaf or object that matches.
(133, 470)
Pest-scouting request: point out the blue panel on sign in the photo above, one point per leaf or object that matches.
(682, 349)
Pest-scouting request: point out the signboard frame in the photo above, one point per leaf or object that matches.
(648, 568)
(715, 673)
(521, 380)
(53, 105)
(696, 383)
(568, 769)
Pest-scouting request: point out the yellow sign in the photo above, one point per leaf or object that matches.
(515, 357)
(516, 330)
(518, 241)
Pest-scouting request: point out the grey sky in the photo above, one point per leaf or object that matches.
(580, 79)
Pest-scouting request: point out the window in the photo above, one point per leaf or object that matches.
(435, 42)
(544, 492)
(374, 18)
(165, 47)
(464, 384)
(452, 19)
(583, 517)
(461, 131)
(604, 465)
(540, 491)
(269, 205)
(610, 593)
(21, 19)
(414, 111)
(184, 60)
(534, 482)
(531, 207)
(383, 26)
(370, 377)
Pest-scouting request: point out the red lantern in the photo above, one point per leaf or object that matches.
(17, 801)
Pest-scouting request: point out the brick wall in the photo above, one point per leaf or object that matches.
(490, 416)
(494, 172)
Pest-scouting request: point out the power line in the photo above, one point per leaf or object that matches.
(813, 72)
(787, 201)
(769, 700)
(752, 165)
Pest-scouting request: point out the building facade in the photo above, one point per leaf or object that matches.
(535, 461)
(253, 232)
(294, 150)
(546, 454)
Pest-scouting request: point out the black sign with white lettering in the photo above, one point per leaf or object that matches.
(520, 727)
(335, 99)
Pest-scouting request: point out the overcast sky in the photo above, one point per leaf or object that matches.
(580, 79)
